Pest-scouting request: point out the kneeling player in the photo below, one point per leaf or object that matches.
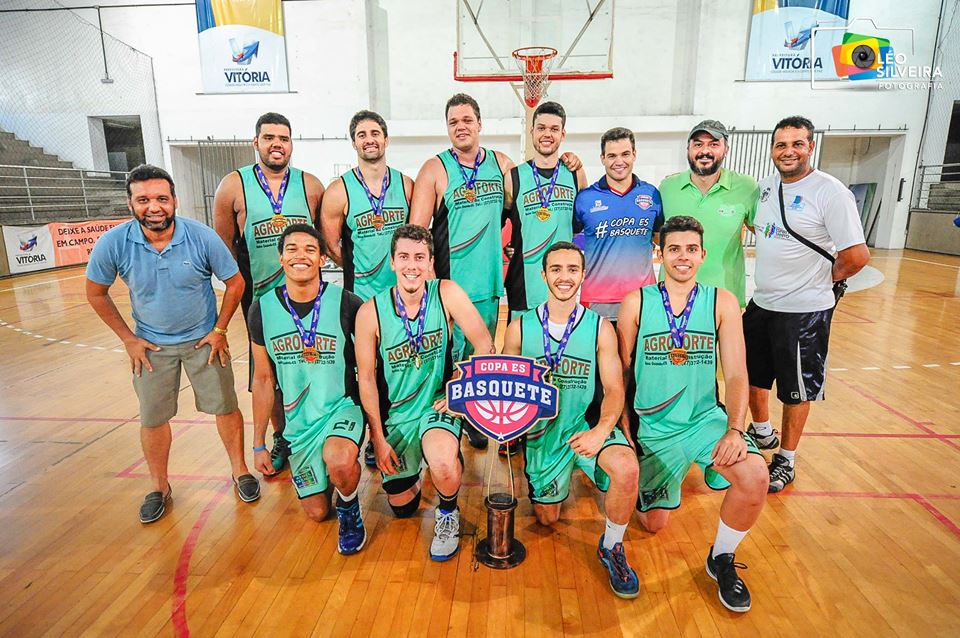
(316, 374)
(580, 349)
(668, 335)
(404, 359)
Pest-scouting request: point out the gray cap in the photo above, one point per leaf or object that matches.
(714, 128)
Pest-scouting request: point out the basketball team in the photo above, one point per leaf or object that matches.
(635, 359)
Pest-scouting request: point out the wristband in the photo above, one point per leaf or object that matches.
(220, 331)
(260, 448)
(740, 432)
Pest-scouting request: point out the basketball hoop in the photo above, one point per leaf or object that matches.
(535, 64)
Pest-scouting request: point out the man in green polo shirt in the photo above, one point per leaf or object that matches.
(722, 200)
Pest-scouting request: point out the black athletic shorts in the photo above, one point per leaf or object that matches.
(789, 348)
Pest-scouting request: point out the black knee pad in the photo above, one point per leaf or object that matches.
(407, 509)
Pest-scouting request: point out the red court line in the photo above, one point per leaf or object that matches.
(937, 514)
(178, 609)
(176, 477)
(882, 435)
(126, 472)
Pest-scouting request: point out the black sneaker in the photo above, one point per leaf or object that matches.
(280, 452)
(369, 456)
(476, 438)
(733, 591)
(155, 505)
(509, 449)
(781, 473)
(768, 442)
(248, 487)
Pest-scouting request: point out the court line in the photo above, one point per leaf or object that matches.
(126, 472)
(41, 283)
(178, 605)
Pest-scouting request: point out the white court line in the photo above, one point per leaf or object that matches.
(838, 369)
(41, 283)
(870, 368)
(901, 367)
(921, 261)
(931, 365)
(955, 363)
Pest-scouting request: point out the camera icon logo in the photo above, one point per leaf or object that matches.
(862, 57)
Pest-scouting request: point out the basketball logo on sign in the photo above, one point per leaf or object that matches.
(502, 396)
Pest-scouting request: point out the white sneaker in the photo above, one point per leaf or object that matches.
(446, 535)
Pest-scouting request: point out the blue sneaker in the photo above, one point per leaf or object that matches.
(352, 534)
(623, 580)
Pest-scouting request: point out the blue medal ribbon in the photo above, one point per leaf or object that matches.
(415, 342)
(553, 361)
(468, 181)
(376, 203)
(275, 202)
(678, 328)
(545, 198)
(307, 339)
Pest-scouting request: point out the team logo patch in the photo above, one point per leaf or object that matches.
(643, 201)
(797, 203)
(503, 396)
(598, 206)
(305, 478)
(765, 195)
(649, 497)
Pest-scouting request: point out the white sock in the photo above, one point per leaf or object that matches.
(790, 455)
(613, 534)
(727, 539)
(348, 498)
(763, 429)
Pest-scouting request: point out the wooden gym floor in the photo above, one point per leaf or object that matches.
(865, 542)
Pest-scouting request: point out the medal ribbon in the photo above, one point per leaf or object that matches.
(677, 329)
(469, 181)
(308, 339)
(545, 199)
(554, 360)
(275, 202)
(376, 203)
(421, 320)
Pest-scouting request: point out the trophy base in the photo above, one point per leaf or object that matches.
(516, 555)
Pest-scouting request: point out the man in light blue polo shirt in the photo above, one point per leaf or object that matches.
(167, 263)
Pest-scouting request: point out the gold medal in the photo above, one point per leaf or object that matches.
(543, 213)
(417, 360)
(310, 354)
(378, 221)
(469, 194)
(678, 356)
(278, 221)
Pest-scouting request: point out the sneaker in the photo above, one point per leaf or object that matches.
(352, 534)
(476, 438)
(509, 449)
(155, 505)
(248, 487)
(781, 473)
(733, 591)
(623, 580)
(768, 442)
(446, 535)
(369, 456)
(280, 452)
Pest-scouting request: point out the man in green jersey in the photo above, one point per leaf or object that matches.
(723, 201)
(538, 202)
(251, 208)
(669, 336)
(302, 341)
(580, 349)
(404, 359)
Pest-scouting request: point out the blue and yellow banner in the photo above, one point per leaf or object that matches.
(242, 46)
(780, 39)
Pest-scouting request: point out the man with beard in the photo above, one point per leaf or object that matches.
(167, 262)
(251, 208)
(787, 323)
(723, 201)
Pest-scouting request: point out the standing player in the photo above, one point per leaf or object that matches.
(620, 216)
(404, 359)
(787, 323)
(251, 208)
(669, 334)
(538, 199)
(580, 349)
(315, 372)
(723, 201)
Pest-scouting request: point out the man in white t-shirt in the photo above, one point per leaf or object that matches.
(787, 323)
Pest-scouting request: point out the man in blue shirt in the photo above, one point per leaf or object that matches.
(167, 263)
(620, 217)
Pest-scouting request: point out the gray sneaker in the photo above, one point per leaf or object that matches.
(768, 442)
(781, 473)
(446, 535)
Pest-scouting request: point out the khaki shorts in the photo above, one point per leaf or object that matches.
(159, 390)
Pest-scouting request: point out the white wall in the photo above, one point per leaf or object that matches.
(674, 63)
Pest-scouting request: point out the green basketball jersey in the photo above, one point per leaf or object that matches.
(407, 391)
(311, 391)
(669, 398)
(366, 237)
(466, 233)
(576, 377)
(531, 235)
(260, 235)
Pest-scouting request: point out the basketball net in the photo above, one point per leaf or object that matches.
(535, 64)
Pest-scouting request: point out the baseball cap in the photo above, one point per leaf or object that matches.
(714, 128)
